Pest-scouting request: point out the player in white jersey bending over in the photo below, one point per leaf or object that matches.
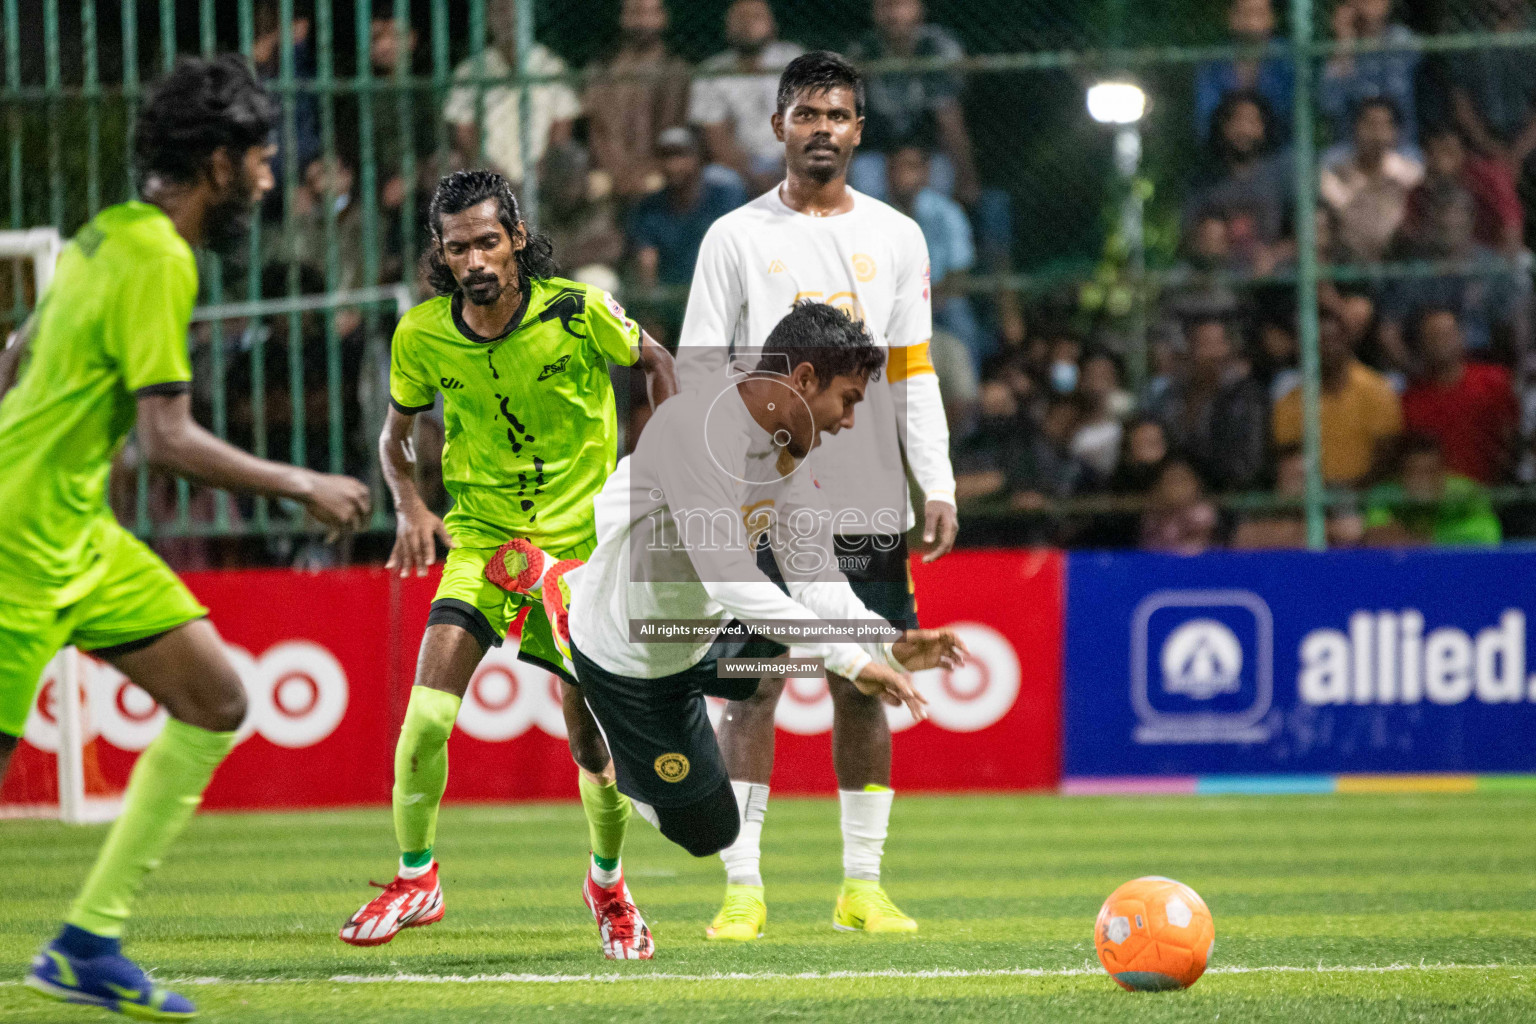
(813, 237)
(678, 522)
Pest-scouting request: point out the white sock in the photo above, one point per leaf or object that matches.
(744, 858)
(866, 818)
(645, 811)
(410, 873)
(606, 879)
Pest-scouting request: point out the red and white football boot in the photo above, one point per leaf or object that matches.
(404, 903)
(623, 931)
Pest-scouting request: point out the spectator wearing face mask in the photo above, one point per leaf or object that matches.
(1062, 372)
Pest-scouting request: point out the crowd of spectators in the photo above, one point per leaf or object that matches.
(1425, 162)
(1428, 395)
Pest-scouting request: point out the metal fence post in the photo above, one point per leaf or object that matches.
(525, 143)
(1306, 271)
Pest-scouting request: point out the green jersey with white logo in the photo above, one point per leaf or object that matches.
(529, 416)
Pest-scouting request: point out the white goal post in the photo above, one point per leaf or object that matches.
(41, 245)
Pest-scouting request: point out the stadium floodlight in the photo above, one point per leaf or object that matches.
(1116, 102)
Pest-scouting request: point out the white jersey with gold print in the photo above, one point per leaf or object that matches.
(758, 261)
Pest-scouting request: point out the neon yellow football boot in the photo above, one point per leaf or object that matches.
(863, 906)
(741, 916)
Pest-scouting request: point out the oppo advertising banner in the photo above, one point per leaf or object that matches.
(327, 660)
(1293, 662)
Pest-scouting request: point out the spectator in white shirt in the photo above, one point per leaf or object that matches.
(1367, 184)
(735, 111)
(552, 107)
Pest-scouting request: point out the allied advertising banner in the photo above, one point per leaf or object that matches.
(327, 660)
(1293, 662)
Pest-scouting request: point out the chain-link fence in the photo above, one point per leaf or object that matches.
(1288, 303)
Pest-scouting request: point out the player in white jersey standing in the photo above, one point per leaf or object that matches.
(812, 237)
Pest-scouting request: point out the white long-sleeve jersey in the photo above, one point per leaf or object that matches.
(758, 261)
(677, 526)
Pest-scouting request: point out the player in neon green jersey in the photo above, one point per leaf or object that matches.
(106, 350)
(521, 358)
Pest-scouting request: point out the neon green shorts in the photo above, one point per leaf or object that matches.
(137, 598)
(465, 598)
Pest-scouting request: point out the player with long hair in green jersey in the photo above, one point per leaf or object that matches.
(521, 359)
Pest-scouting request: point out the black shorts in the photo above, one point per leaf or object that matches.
(664, 749)
(877, 568)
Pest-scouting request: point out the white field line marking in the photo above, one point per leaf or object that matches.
(997, 972)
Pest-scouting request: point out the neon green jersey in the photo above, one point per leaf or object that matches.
(529, 416)
(112, 326)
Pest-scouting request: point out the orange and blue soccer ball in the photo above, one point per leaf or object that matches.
(1154, 934)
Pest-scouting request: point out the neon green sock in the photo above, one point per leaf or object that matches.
(607, 819)
(421, 767)
(163, 792)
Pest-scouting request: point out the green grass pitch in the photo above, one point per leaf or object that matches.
(1336, 909)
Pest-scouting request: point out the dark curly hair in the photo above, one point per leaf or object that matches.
(830, 340)
(458, 192)
(816, 72)
(200, 106)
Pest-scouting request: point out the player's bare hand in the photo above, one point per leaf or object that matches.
(920, 649)
(339, 502)
(417, 531)
(895, 688)
(940, 524)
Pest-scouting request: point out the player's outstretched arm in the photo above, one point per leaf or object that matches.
(920, 649)
(891, 686)
(416, 527)
(173, 441)
(660, 371)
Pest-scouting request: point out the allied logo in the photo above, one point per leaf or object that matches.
(1202, 667)
(672, 767)
(863, 267)
(558, 366)
(1202, 658)
(450, 383)
(776, 267)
